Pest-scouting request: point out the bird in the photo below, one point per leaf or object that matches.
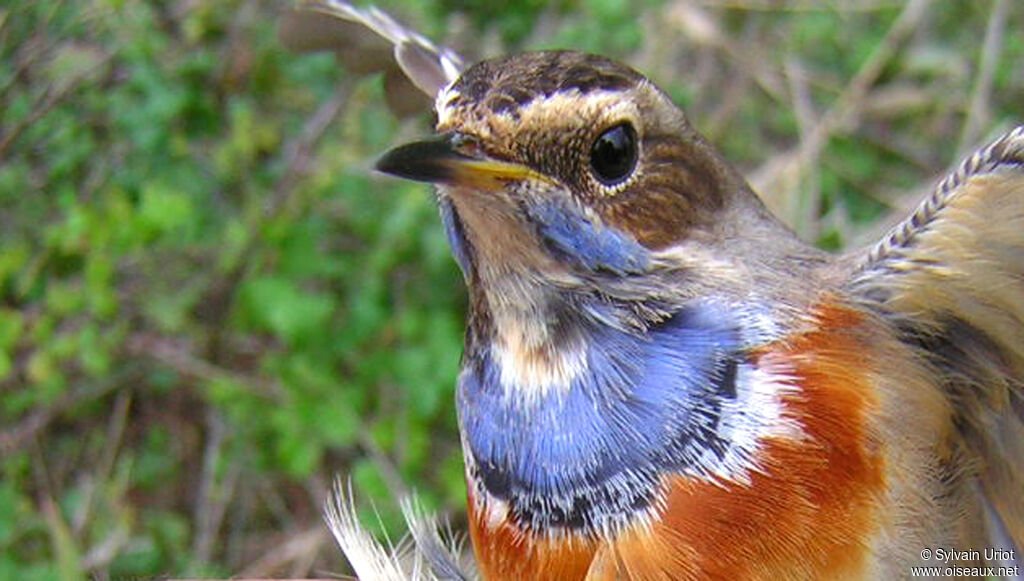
(661, 381)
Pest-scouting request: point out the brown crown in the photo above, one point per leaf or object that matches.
(504, 84)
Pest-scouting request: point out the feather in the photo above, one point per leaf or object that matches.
(951, 279)
(442, 555)
(423, 556)
(370, 41)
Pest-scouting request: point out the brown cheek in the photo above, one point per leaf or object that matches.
(657, 216)
(676, 193)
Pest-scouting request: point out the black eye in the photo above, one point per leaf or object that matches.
(613, 155)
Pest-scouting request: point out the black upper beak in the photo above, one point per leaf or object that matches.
(439, 161)
(431, 160)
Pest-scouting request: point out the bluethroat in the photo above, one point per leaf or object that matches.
(660, 380)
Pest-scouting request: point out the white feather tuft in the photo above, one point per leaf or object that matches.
(423, 556)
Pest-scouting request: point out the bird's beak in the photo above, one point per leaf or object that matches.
(439, 161)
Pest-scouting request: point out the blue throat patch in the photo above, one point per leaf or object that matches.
(568, 233)
(565, 232)
(593, 454)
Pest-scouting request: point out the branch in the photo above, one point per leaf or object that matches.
(845, 110)
(978, 112)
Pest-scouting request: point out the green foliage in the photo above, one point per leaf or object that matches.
(209, 306)
(162, 242)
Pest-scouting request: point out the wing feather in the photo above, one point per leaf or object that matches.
(951, 278)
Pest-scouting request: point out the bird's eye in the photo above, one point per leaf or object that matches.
(613, 155)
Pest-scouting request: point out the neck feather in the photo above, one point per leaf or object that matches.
(588, 452)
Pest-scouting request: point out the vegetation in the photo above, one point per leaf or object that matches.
(209, 306)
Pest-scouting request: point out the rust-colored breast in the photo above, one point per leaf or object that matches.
(503, 552)
(809, 513)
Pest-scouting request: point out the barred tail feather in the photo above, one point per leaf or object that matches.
(368, 40)
(423, 556)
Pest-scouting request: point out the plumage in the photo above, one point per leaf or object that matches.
(951, 280)
(661, 381)
(368, 40)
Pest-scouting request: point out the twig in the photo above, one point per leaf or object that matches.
(100, 556)
(694, 22)
(845, 110)
(14, 438)
(807, 200)
(297, 151)
(297, 155)
(802, 6)
(296, 547)
(181, 359)
(213, 497)
(115, 435)
(36, 51)
(48, 100)
(728, 103)
(392, 479)
(978, 111)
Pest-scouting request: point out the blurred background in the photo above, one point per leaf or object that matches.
(209, 306)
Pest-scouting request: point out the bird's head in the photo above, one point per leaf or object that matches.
(562, 171)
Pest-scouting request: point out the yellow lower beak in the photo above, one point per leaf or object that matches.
(438, 161)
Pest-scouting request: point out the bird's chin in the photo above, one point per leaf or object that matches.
(501, 238)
